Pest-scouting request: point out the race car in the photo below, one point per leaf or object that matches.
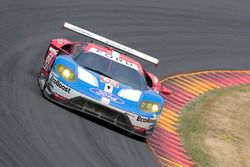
(102, 79)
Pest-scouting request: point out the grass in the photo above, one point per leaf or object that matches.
(215, 128)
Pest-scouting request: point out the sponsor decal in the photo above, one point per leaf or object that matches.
(108, 88)
(107, 95)
(51, 55)
(114, 57)
(60, 85)
(109, 81)
(52, 50)
(145, 120)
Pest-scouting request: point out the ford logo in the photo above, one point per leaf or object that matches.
(107, 95)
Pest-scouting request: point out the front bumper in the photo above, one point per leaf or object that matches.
(93, 107)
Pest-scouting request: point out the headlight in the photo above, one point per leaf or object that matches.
(87, 77)
(65, 72)
(149, 106)
(130, 94)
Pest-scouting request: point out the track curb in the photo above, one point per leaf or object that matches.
(165, 142)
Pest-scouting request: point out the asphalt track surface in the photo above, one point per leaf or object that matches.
(186, 35)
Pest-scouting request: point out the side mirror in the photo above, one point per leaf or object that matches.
(165, 90)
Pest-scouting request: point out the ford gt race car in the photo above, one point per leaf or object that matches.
(102, 80)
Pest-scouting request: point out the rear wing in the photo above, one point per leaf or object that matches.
(111, 43)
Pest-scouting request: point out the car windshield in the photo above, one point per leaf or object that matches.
(112, 69)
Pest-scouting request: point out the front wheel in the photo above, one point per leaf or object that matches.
(42, 81)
